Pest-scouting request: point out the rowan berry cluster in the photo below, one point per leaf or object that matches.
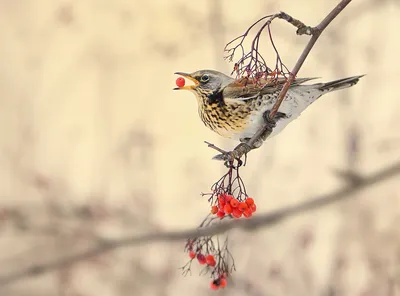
(228, 199)
(213, 256)
(203, 259)
(226, 204)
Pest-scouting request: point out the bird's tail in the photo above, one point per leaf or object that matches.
(339, 84)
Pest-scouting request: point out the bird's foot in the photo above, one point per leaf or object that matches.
(270, 124)
(230, 157)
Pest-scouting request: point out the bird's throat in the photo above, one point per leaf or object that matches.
(216, 98)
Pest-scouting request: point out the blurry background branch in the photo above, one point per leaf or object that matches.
(353, 185)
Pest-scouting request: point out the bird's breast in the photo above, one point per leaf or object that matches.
(238, 119)
(226, 120)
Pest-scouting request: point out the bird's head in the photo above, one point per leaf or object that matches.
(206, 82)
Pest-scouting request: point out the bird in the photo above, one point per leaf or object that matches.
(237, 110)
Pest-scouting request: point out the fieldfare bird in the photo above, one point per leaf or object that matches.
(237, 110)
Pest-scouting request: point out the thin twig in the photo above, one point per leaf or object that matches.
(214, 147)
(259, 221)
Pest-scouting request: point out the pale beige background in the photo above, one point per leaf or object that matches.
(94, 142)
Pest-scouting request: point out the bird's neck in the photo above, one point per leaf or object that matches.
(216, 98)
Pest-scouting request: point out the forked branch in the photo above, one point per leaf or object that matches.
(257, 63)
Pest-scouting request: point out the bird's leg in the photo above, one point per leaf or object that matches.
(270, 124)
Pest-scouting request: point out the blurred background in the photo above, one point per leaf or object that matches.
(95, 144)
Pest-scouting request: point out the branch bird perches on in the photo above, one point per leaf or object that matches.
(256, 64)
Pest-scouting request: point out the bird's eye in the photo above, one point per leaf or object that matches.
(204, 78)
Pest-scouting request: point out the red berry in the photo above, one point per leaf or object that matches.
(220, 214)
(201, 258)
(234, 202)
(210, 260)
(227, 209)
(192, 254)
(249, 201)
(228, 198)
(242, 206)
(247, 213)
(180, 82)
(221, 201)
(236, 213)
(222, 282)
(214, 210)
(253, 207)
(221, 198)
(213, 286)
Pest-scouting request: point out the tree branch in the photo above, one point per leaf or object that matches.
(264, 220)
(302, 29)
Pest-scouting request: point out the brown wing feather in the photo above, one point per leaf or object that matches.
(239, 89)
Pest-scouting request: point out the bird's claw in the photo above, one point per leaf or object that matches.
(270, 123)
(230, 157)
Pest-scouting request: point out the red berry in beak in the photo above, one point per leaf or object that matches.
(180, 82)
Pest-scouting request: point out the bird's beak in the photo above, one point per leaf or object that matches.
(187, 76)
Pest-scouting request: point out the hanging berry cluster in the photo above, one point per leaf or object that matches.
(228, 205)
(214, 256)
(228, 199)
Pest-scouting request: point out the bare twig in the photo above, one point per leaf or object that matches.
(264, 220)
(214, 147)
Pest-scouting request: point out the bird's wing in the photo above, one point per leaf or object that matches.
(245, 91)
(240, 92)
